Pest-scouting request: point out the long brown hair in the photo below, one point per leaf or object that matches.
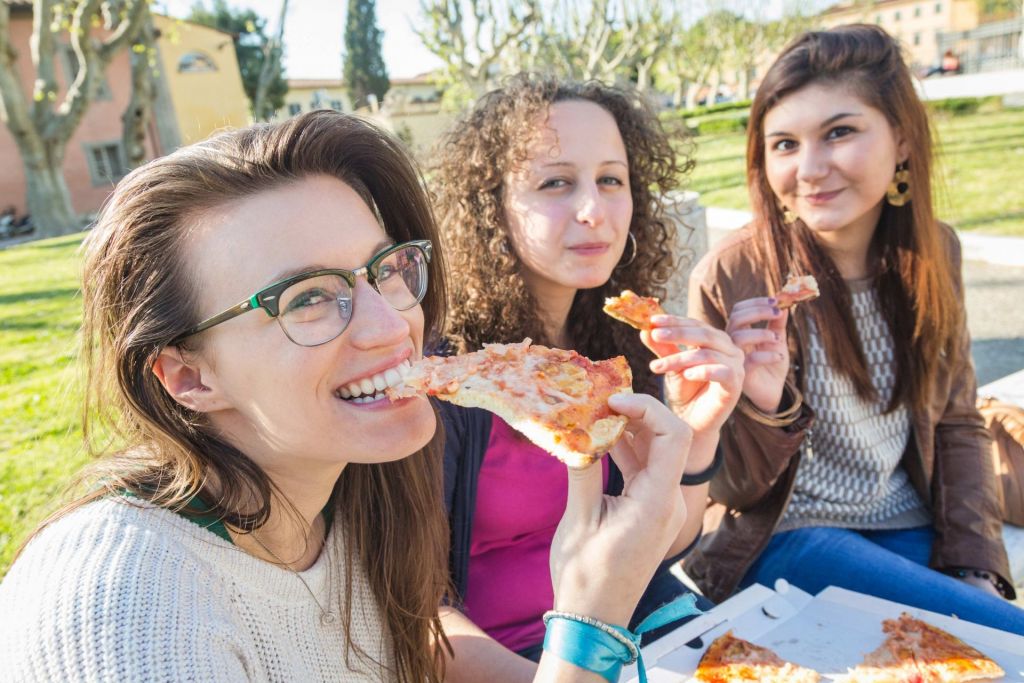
(489, 299)
(138, 295)
(913, 272)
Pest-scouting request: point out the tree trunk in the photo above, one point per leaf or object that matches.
(49, 200)
(140, 104)
(271, 67)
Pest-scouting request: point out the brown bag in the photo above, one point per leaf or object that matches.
(1006, 424)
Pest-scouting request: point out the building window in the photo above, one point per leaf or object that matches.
(106, 162)
(917, 39)
(896, 15)
(917, 11)
(336, 105)
(71, 71)
(878, 19)
(196, 63)
(294, 109)
(938, 8)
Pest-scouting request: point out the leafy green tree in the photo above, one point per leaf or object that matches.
(252, 45)
(365, 72)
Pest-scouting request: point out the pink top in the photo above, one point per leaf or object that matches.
(521, 495)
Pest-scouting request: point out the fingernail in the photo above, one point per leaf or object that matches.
(776, 310)
(773, 300)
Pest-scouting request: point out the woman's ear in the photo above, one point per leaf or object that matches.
(184, 382)
(902, 148)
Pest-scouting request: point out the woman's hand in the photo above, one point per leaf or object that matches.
(766, 349)
(702, 382)
(606, 548)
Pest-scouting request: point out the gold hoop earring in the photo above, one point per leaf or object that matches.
(632, 256)
(898, 193)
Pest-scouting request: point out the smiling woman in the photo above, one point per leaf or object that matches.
(857, 457)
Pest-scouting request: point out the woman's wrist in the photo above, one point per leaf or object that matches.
(788, 412)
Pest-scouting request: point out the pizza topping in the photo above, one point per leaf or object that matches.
(798, 288)
(633, 309)
(557, 398)
(917, 652)
(733, 660)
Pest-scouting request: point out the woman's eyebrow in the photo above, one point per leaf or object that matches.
(824, 124)
(310, 267)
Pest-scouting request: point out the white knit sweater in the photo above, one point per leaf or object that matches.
(124, 591)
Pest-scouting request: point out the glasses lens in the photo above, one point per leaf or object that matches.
(402, 277)
(316, 310)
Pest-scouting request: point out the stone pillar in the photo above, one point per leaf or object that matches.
(684, 208)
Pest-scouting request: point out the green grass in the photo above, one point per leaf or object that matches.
(980, 165)
(39, 404)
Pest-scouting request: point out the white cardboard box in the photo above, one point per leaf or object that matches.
(830, 632)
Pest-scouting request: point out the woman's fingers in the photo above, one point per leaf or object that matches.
(586, 492)
(752, 316)
(678, 362)
(661, 440)
(765, 357)
(755, 336)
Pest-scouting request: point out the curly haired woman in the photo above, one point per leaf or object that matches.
(551, 196)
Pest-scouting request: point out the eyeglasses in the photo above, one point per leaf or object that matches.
(315, 307)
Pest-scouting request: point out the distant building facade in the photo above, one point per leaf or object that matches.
(918, 24)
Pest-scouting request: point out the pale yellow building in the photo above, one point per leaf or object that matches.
(203, 82)
(411, 108)
(308, 94)
(916, 23)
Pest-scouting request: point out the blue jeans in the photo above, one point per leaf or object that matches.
(889, 564)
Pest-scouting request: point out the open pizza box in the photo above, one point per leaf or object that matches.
(830, 632)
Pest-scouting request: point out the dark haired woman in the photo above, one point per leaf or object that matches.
(552, 198)
(269, 515)
(856, 456)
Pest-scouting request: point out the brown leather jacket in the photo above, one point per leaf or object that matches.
(947, 458)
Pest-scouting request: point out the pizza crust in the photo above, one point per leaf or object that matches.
(633, 309)
(798, 288)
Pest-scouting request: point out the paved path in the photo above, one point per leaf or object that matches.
(995, 316)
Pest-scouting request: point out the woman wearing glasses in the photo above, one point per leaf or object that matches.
(260, 510)
(552, 197)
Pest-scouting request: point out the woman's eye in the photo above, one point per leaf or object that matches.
(784, 145)
(553, 183)
(611, 180)
(311, 297)
(385, 271)
(839, 132)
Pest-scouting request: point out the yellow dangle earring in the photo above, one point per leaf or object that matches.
(788, 217)
(898, 193)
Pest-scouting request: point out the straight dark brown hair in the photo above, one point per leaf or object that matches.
(912, 268)
(138, 295)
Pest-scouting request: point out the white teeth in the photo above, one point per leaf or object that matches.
(391, 378)
(370, 388)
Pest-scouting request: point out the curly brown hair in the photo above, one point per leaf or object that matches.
(490, 302)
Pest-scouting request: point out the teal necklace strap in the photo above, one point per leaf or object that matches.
(604, 648)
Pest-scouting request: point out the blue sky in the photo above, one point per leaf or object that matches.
(314, 28)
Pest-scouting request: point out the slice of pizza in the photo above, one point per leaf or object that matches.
(914, 651)
(633, 309)
(558, 399)
(733, 660)
(798, 288)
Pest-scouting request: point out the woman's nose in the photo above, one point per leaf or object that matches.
(591, 209)
(374, 322)
(813, 163)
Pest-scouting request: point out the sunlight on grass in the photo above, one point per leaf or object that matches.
(980, 160)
